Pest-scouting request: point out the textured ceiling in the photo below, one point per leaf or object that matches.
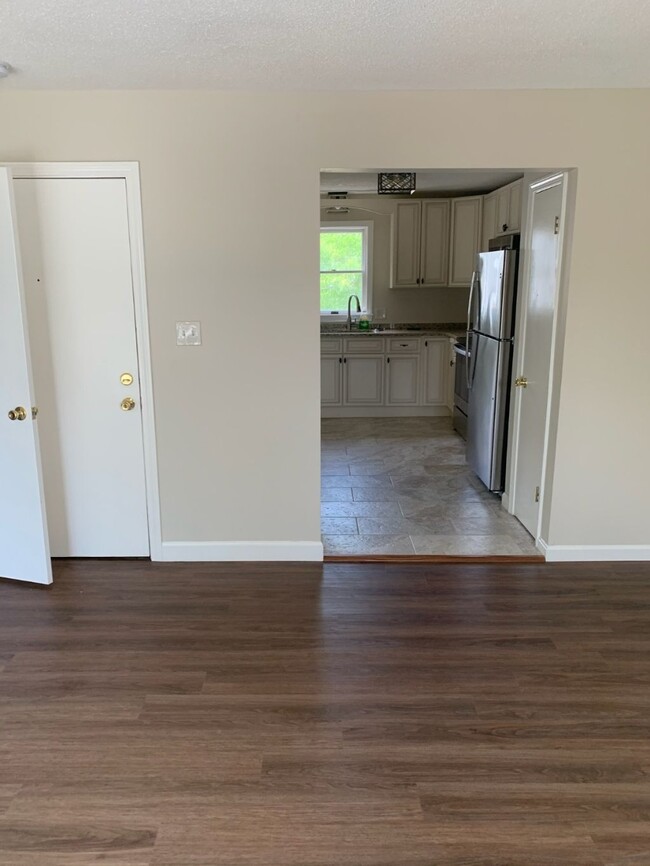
(440, 181)
(317, 45)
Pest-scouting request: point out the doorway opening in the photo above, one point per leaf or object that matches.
(425, 315)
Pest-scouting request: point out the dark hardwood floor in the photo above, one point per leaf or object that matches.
(351, 715)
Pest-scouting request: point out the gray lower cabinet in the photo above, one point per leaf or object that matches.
(399, 374)
(436, 370)
(363, 378)
(330, 380)
(402, 378)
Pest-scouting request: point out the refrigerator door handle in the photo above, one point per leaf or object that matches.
(469, 328)
(470, 302)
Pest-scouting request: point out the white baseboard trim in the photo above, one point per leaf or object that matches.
(242, 551)
(385, 412)
(505, 502)
(594, 552)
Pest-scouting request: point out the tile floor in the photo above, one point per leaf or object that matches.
(401, 485)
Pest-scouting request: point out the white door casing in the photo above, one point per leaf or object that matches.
(539, 295)
(78, 288)
(24, 549)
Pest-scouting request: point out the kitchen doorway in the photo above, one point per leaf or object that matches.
(396, 480)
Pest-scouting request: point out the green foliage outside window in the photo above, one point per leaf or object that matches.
(340, 251)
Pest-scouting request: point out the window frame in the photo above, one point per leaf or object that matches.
(365, 227)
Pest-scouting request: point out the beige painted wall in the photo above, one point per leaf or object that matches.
(436, 304)
(230, 186)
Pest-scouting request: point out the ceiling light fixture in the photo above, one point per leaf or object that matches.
(5, 69)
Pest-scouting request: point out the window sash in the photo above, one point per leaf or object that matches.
(365, 231)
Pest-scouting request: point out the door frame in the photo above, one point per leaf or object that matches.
(130, 173)
(567, 180)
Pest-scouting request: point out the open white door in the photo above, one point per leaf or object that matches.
(536, 354)
(24, 547)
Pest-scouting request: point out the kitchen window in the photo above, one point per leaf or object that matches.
(345, 256)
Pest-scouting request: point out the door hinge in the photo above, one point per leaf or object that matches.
(537, 494)
(557, 226)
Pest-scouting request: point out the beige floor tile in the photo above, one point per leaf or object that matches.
(339, 526)
(360, 509)
(407, 477)
(350, 545)
(374, 494)
(334, 469)
(402, 526)
(336, 494)
(466, 545)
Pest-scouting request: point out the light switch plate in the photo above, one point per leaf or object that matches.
(188, 333)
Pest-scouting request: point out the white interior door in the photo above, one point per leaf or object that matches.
(540, 293)
(24, 551)
(78, 286)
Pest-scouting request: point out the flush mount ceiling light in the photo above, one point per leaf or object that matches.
(5, 69)
(392, 183)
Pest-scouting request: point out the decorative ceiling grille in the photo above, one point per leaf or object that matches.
(390, 183)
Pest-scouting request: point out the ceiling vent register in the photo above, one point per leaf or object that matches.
(395, 183)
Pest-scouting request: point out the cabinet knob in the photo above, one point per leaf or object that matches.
(388, 360)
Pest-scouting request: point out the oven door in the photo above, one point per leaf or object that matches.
(461, 395)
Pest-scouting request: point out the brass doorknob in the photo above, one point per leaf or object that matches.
(521, 382)
(17, 414)
(127, 404)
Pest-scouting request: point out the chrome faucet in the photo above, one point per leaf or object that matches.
(356, 297)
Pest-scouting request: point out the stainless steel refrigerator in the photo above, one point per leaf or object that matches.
(491, 321)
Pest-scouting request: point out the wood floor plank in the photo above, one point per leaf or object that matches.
(386, 714)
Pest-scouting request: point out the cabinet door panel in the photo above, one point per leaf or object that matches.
(402, 380)
(435, 372)
(363, 380)
(503, 210)
(330, 380)
(465, 238)
(406, 244)
(514, 216)
(435, 243)
(489, 221)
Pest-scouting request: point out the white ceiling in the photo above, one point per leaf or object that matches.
(440, 181)
(316, 45)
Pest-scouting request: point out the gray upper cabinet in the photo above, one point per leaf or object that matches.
(406, 243)
(435, 241)
(434, 248)
(514, 213)
(421, 243)
(501, 212)
(489, 219)
(465, 238)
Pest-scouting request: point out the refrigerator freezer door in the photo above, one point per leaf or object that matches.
(495, 294)
(488, 409)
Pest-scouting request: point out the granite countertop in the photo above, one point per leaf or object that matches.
(444, 329)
